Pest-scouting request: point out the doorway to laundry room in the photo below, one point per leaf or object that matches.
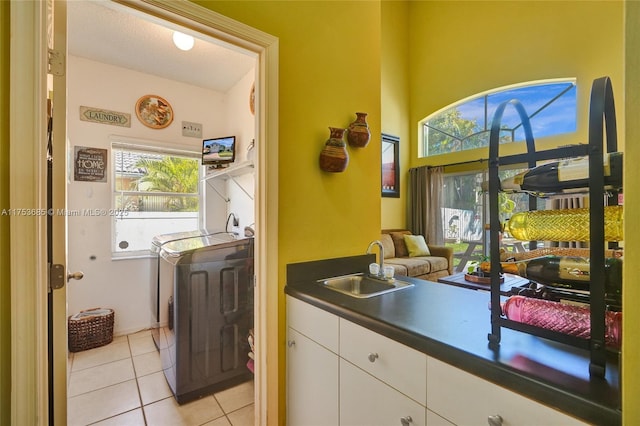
(141, 115)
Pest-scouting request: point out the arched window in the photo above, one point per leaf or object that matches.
(550, 104)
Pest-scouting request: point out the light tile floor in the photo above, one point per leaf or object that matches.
(122, 384)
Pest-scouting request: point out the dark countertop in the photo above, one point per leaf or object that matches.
(452, 323)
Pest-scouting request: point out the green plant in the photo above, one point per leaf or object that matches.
(171, 175)
(474, 265)
(506, 203)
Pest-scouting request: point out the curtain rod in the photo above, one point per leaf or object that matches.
(459, 163)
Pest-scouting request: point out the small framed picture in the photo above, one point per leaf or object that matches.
(154, 111)
(89, 164)
(390, 166)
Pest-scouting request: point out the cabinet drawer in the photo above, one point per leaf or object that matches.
(366, 401)
(400, 366)
(435, 420)
(318, 325)
(464, 399)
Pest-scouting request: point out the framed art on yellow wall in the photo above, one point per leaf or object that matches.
(390, 166)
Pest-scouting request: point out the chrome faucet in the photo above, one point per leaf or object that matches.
(379, 244)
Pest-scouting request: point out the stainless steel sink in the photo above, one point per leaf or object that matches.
(361, 286)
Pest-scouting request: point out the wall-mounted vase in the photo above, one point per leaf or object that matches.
(358, 132)
(334, 156)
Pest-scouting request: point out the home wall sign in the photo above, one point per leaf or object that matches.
(89, 164)
(154, 111)
(104, 116)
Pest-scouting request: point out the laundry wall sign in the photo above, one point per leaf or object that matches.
(105, 116)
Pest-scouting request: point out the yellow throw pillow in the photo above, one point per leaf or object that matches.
(416, 245)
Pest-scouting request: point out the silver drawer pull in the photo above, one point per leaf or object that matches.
(495, 420)
(406, 420)
(373, 357)
(291, 343)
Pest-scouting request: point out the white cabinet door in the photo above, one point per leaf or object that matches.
(465, 399)
(312, 382)
(318, 325)
(400, 366)
(435, 420)
(366, 401)
(312, 365)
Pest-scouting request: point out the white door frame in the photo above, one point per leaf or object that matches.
(28, 188)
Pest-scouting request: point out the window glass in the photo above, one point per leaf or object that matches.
(155, 193)
(464, 215)
(551, 107)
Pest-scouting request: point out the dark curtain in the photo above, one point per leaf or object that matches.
(425, 201)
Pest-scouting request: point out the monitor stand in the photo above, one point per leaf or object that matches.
(218, 166)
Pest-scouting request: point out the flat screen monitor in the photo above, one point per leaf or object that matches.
(219, 152)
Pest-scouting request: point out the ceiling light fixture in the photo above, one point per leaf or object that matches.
(182, 41)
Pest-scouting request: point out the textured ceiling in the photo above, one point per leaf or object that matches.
(104, 32)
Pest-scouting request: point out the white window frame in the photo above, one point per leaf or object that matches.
(151, 147)
(422, 124)
(484, 212)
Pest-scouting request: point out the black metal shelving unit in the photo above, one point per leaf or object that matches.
(602, 121)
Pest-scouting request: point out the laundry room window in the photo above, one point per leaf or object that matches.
(156, 191)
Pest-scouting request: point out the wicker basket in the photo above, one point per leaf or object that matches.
(90, 328)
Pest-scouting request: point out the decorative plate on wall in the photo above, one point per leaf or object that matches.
(154, 111)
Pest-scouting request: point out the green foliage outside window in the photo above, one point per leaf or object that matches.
(171, 174)
(450, 132)
(550, 105)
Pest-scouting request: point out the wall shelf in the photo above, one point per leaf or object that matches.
(229, 173)
(235, 169)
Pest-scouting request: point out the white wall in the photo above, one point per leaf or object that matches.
(240, 121)
(124, 284)
(244, 125)
(241, 124)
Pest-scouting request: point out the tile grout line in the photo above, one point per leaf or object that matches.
(110, 417)
(96, 365)
(224, 412)
(98, 389)
(135, 374)
(141, 406)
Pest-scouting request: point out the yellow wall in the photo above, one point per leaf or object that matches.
(457, 49)
(463, 48)
(5, 287)
(329, 69)
(631, 342)
(395, 101)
